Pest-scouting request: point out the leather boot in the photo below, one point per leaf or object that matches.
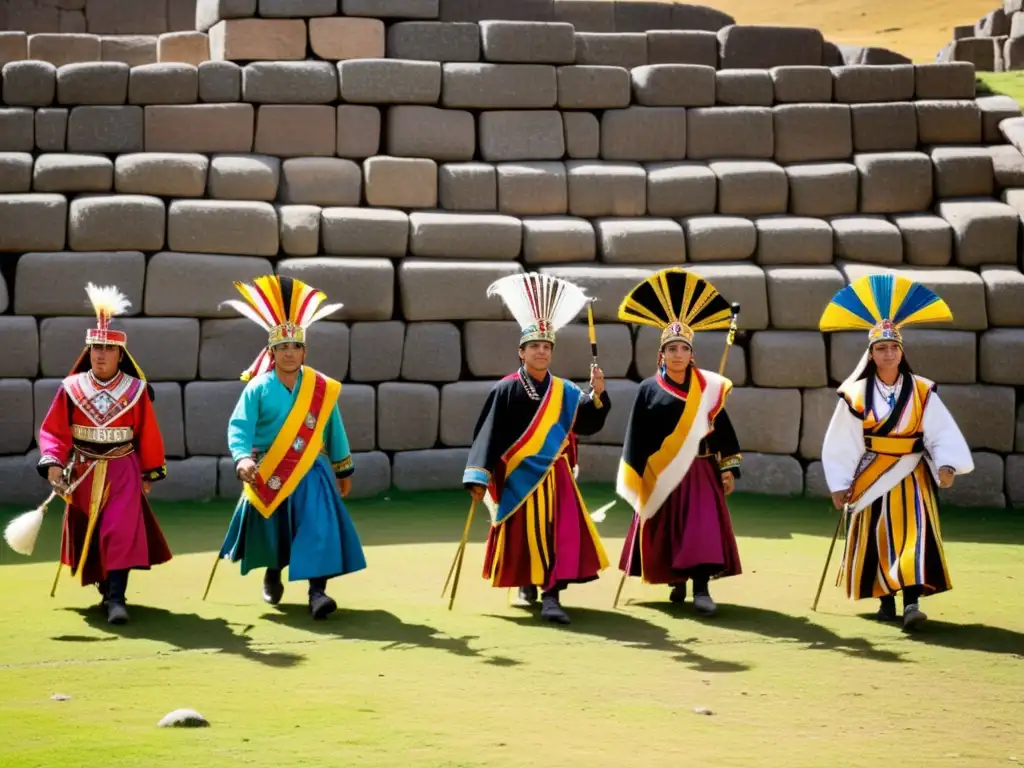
(117, 611)
(321, 605)
(273, 589)
(551, 608)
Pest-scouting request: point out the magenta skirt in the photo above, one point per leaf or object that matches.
(691, 530)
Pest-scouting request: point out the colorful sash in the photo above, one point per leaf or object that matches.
(533, 455)
(297, 445)
(667, 466)
(893, 445)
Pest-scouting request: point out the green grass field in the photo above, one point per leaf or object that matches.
(1007, 83)
(395, 679)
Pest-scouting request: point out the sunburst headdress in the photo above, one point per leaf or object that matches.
(541, 304)
(677, 302)
(284, 307)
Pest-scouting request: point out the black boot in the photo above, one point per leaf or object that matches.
(551, 608)
(678, 593)
(273, 589)
(887, 608)
(117, 611)
(321, 605)
(104, 588)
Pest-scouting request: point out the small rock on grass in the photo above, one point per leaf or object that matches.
(702, 711)
(60, 697)
(183, 718)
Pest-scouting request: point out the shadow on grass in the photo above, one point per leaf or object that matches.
(968, 637)
(630, 631)
(379, 626)
(185, 631)
(781, 626)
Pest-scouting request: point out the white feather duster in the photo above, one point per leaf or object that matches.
(21, 533)
(107, 301)
(534, 297)
(599, 514)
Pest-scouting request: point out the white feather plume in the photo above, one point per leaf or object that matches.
(21, 533)
(107, 299)
(532, 297)
(324, 311)
(599, 514)
(244, 309)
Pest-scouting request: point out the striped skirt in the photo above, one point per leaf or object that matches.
(896, 542)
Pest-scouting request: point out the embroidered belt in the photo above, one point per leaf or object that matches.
(83, 455)
(102, 434)
(894, 446)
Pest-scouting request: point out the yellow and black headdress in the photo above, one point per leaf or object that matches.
(282, 306)
(678, 303)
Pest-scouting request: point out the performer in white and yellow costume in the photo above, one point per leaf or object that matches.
(890, 443)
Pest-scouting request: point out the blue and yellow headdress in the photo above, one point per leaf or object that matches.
(677, 303)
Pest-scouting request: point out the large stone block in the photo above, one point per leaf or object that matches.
(884, 127)
(392, 9)
(290, 82)
(1001, 356)
(19, 337)
(16, 424)
(606, 189)
(719, 238)
(208, 406)
(558, 239)
(788, 359)
(927, 239)
(52, 129)
(962, 171)
(818, 407)
(499, 86)
(764, 47)
(962, 290)
(173, 83)
(664, 129)
(593, 87)
(981, 488)
(111, 130)
(243, 177)
(358, 406)
(1004, 295)
(640, 241)
(528, 42)
(707, 348)
(372, 475)
(894, 182)
(365, 232)
(766, 420)
(490, 348)
(257, 39)
(390, 81)
(93, 82)
(682, 46)
(169, 415)
(431, 470)
(995, 109)
(428, 132)
(730, 132)
(674, 85)
(162, 174)
(29, 83)
(204, 128)
(15, 172)
(434, 41)
(223, 226)
(823, 189)
(376, 350)
(521, 135)
(586, 15)
(984, 231)
(60, 172)
(358, 129)
(770, 475)
(461, 403)
(32, 222)
(868, 239)
(859, 84)
(17, 130)
(1015, 480)
(801, 84)
(337, 39)
(751, 187)
(133, 50)
(295, 130)
(681, 189)
(195, 284)
(209, 12)
(401, 182)
(744, 88)
(948, 122)
(117, 223)
(468, 187)
(427, 286)
(407, 416)
(952, 80)
(184, 47)
(13, 46)
(464, 235)
(320, 181)
(808, 132)
(366, 286)
(582, 135)
(432, 352)
(220, 81)
(984, 414)
(532, 188)
(793, 240)
(39, 294)
(300, 229)
(624, 49)
(19, 481)
(815, 485)
(61, 49)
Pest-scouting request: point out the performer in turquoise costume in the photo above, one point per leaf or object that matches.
(290, 449)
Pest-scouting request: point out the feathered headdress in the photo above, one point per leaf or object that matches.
(541, 304)
(107, 302)
(284, 307)
(678, 303)
(882, 305)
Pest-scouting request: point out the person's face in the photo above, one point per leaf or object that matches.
(677, 355)
(536, 355)
(104, 360)
(886, 356)
(289, 357)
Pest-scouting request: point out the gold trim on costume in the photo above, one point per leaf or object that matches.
(102, 434)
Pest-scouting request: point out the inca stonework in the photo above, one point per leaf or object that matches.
(402, 163)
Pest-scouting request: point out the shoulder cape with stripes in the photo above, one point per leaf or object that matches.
(893, 446)
(297, 445)
(645, 482)
(525, 465)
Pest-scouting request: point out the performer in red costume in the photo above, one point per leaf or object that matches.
(101, 438)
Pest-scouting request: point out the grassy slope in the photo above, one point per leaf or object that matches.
(394, 679)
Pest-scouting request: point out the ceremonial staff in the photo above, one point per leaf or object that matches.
(842, 518)
(729, 341)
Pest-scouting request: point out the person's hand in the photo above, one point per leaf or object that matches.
(946, 475)
(477, 492)
(728, 482)
(146, 487)
(344, 485)
(246, 470)
(597, 380)
(55, 475)
(839, 498)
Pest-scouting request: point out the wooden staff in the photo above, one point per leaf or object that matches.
(459, 554)
(593, 345)
(828, 559)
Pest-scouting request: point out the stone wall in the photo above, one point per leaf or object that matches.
(995, 43)
(403, 164)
